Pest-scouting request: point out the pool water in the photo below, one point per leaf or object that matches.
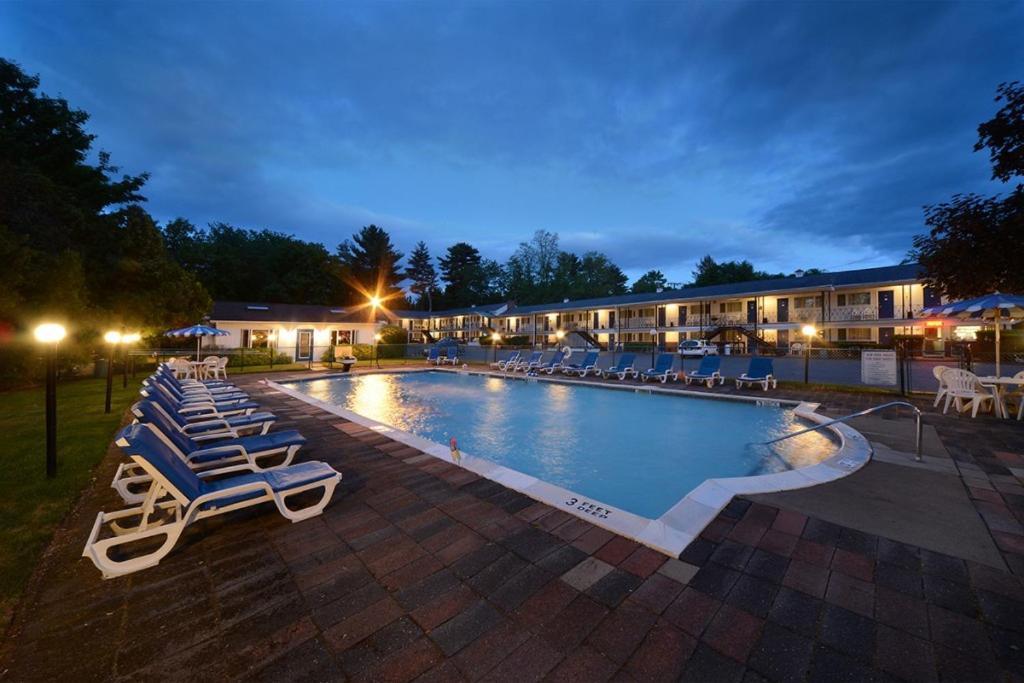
(640, 452)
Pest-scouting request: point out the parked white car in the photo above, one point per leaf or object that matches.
(697, 347)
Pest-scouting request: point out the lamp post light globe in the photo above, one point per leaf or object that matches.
(112, 337)
(49, 333)
(560, 335)
(809, 330)
(375, 301)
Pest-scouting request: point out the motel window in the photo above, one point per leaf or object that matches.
(695, 309)
(730, 307)
(855, 299)
(807, 302)
(256, 339)
(341, 337)
(861, 334)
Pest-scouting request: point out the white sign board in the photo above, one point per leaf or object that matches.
(878, 368)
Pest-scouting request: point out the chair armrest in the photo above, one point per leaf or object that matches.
(220, 450)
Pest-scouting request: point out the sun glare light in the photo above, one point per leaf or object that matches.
(112, 337)
(49, 333)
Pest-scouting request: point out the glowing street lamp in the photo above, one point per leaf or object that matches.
(128, 340)
(809, 332)
(559, 335)
(50, 334)
(113, 338)
(495, 340)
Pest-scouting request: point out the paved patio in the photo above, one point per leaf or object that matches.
(422, 571)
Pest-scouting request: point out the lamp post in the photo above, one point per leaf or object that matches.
(654, 344)
(376, 354)
(127, 340)
(113, 338)
(132, 338)
(809, 332)
(50, 334)
(559, 336)
(495, 338)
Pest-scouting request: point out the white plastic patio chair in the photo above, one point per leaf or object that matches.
(938, 370)
(222, 368)
(1017, 394)
(961, 386)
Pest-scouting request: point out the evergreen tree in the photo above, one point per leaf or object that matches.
(423, 275)
(651, 281)
(462, 274)
(370, 261)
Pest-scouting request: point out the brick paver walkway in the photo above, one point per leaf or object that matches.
(422, 571)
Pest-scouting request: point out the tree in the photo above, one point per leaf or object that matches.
(462, 275)
(710, 272)
(651, 281)
(600, 277)
(422, 274)
(74, 240)
(973, 241)
(370, 261)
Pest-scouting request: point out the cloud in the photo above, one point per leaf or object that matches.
(792, 135)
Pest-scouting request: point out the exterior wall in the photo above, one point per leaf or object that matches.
(284, 336)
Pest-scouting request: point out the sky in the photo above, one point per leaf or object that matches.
(794, 135)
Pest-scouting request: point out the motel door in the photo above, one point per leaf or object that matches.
(596, 317)
(682, 315)
(752, 312)
(886, 308)
(782, 310)
(304, 345)
(661, 316)
(931, 297)
(611, 319)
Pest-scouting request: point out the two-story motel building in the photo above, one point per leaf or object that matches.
(856, 306)
(868, 306)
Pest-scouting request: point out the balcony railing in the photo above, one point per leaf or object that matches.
(638, 323)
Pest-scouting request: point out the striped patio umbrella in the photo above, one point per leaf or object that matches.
(995, 307)
(197, 331)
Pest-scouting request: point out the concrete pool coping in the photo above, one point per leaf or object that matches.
(674, 530)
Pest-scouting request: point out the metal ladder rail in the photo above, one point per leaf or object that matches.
(875, 409)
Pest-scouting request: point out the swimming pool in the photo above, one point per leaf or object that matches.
(631, 455)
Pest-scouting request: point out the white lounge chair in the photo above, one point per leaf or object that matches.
(623, 367)
(512, 357)
(529, 363)
(227, 454)
(707, 373)
(962, 386)
(761, 371)
(192, 499)
(662, 370)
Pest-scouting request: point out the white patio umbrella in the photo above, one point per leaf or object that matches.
(996, 307)
(197, 331)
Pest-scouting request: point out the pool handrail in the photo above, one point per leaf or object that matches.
(867, 411)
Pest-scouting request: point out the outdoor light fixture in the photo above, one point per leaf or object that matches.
(559, 335)
(809, 332)
(495, 338)
(113, 338)
(128, 339)
(375, 301)
(51, 334)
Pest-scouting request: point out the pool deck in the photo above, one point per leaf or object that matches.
(420, 570)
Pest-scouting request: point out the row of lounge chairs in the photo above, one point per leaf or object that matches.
(198, 449)
(760, 372)
(443, 355)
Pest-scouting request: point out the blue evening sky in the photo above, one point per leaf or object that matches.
(791, 134)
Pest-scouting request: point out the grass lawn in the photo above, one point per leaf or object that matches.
(31, 506)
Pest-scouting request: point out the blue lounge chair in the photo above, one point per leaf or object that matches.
(623, 367)
(197, 419)
(511, 357)
(529, 363)
(451, 355)
(201, 394)
(761, 371)
(555, 363)
(192, 499)
(248, 453)
(662, 369)
(708, 372)
(222, 408)
(588, 364)
(434, 355)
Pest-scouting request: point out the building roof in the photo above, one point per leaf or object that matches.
(846, 278)
(488, 310)
(287, 313)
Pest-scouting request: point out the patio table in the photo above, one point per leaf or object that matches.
(995, 385)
